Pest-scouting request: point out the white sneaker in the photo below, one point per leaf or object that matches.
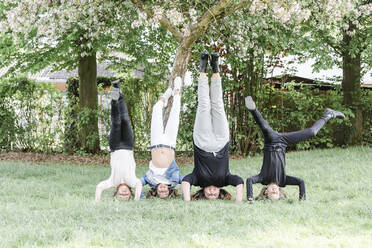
(249, 103)
(115, 93)
(166, 96)
(177, 84)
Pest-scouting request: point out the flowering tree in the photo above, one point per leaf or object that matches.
(66, 35)
(342, 29)
(186, 21)
(250, 41)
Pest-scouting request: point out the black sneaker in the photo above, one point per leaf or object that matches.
(214, 63)
(204, 61)
(116, 83)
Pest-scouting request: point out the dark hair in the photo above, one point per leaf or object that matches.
(122, 184)
(223, 195)
(153, 192)
(263, 195)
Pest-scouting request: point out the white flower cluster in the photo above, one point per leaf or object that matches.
(84, 19)
(175, 17)
(257, 6)
(158, 13)
(193, 15)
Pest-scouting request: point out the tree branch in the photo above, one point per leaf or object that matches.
(238, 6)
(163, 21)
(218, 11)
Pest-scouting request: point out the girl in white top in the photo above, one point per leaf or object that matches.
(123, 165)
(163, 174)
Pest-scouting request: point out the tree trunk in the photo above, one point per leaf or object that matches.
(179, 68)
(352, 93)
(88, 96)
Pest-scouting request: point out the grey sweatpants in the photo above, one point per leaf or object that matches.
(211, 128)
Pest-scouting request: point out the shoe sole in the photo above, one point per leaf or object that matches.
(249, 103)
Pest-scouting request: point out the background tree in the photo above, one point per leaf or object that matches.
(340, 34)
(187, 21)
(64, 35)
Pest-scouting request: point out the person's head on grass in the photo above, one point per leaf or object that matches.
(211, 193)
(123, 192)
(162, 191)
(271, 192)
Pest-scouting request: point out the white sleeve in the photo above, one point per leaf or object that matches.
(105, 184)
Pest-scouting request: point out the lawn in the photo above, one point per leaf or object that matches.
(51, 205)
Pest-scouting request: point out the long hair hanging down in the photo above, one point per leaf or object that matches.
(173, 193)
(224, 195)
(263, 195)
(130, 189)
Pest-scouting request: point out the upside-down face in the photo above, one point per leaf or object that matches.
(123, 192)
(211, 192)
(162, 190)
(272, 191)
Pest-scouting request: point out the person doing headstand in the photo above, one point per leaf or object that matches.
(123, 165)
(211, 141)
(273, 172)
(163, 174)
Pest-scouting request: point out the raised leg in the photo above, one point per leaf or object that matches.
(267, 131)
(219, 121)
(171, 130)
(298, 136)
(203, 121)
(157, 129)
(121, 134)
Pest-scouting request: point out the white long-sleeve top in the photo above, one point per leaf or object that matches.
(123, 170)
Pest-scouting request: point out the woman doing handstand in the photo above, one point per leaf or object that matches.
(163, 174)
(273, 168)
(211, 140)
(123, 165)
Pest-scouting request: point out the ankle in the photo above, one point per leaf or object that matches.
(203, 75)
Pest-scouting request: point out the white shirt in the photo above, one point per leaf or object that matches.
(157, 175)
(123, 170)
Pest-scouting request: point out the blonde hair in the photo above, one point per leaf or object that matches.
(263, 195)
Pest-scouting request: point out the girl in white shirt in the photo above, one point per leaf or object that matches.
(123, 165)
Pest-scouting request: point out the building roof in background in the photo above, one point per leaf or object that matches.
(279, 80)
(62, 76)
(304, 70)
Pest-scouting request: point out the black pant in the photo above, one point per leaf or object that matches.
(273, 167)
(121, 134)
(270, 136)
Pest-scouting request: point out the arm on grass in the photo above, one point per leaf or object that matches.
(239, 193)
(250, 182)
(138, 191)
(238, 182)
(301, 185)
(101, 187)
(186, 190)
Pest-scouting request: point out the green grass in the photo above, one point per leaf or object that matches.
(51, 205)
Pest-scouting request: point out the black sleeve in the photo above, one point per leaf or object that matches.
(234, 180)
(297, 181)
(191, 179)
(250, 182)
